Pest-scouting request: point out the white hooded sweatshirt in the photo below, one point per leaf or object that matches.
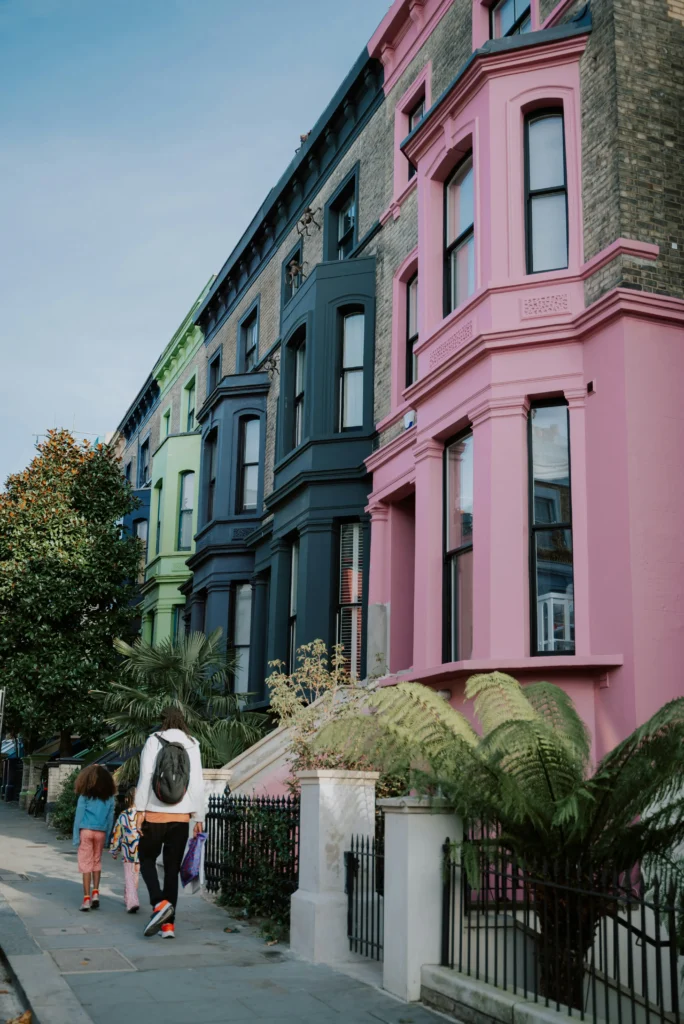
(193, 801)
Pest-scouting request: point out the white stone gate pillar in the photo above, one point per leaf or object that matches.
(415, 831)
(334, 806)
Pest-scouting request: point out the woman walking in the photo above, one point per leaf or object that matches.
(92, 827)
(169, 795)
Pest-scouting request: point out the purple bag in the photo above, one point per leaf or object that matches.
(191, 867)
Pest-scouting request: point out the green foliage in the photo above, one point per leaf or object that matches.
(530, 769)
(64, 595)
(265, 889)
(319, 694)
(65, 807)
(193, 674)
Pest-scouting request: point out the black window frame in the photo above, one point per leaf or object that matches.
(144, 463)
(411, 339)
(298, 397)
(190, 390)
(359, 603)
(347, 188)
(449, 642)
(450, 247)
(214, 371)
(343, 371)
(233, 624)
(181, 511)
(410, 114)
(534, 528)
(158, 524)
(128, 469)
(242, 465)
(288, 291)
(292, 615)
(514, 30)
(536, 115)
(210, 461)
(251, 316)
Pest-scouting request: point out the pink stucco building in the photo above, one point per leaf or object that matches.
(530, 520)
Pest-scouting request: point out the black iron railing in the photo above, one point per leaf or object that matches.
(252, 841)
(364, 885)
(594, 945)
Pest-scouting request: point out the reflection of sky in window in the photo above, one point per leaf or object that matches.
(550, 445)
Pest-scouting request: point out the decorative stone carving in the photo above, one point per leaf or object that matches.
(457, 340)
(546, 305)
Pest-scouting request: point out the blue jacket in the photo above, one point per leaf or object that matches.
(95, 814)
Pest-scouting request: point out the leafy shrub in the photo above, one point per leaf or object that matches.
(265, 889)
(65, 806)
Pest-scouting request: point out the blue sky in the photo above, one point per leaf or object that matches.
(137, 139)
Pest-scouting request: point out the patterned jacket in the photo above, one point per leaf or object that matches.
(126, 836)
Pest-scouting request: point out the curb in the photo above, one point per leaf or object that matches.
(42, 987)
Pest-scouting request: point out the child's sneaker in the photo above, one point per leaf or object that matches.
(133, 910)
(95, 899)
(168, 930)
(86, 903)
(161, 913)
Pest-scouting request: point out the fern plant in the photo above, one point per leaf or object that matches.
(193, 674)
(529, 770)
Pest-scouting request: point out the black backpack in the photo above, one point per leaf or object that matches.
(171, 776)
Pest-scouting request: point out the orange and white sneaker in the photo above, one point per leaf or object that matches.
(86, 903)
(161, 913)
(168, 930)
(95, 899)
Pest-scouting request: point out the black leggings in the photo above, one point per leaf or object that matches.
(171, 836)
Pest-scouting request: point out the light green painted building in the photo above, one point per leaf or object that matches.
(180, 373)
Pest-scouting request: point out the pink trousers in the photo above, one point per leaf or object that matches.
(131, 879)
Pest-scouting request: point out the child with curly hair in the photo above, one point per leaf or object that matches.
(96, 789)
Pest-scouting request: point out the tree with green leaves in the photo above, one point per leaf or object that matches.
(193, 674)
(66, 583)
(529, 772)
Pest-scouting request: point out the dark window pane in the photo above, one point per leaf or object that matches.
(554, 591)
(460, 493)
(551, 464)
(461, 587)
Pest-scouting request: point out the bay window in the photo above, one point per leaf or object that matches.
(248, 464)
(459, 255)
(551, 586)
(242, 624)
(350, 605)
(187, 503)
(411, 330)
(299, 382)
(458, 564)
(210, 463)
(351, 373)
(546, 192)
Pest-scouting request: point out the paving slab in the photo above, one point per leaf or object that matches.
(98, 968)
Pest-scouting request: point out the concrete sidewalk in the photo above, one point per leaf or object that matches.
(97, 967)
